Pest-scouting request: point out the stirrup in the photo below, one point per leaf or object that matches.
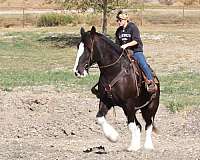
(152, 87)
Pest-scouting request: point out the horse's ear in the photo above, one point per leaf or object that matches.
(82, 31)
(93, 30)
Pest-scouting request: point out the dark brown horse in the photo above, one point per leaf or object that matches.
(120, 84)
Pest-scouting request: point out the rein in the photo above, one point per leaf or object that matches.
(148, 102)
(112, 64)
(105, 66)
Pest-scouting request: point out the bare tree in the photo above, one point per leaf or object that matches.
(104, 23)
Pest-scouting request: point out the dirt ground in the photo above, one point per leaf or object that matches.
(47, 123)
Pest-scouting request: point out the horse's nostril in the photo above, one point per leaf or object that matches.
(76, 74)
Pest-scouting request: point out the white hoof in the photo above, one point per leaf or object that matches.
(110, 133)
(135, 139)
(133, 148)
(148, 146)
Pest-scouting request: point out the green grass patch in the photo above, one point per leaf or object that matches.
(11, 79)
(180, 90)
(25, 51)
(54, 19)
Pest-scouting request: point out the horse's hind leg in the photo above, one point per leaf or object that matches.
(110, 133)
(148, 113)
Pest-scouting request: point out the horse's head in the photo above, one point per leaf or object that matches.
(84, 58)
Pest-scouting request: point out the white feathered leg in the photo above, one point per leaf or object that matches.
(148, 141)
(135, 139)
(110, 133)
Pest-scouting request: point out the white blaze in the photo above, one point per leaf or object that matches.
(79, 53)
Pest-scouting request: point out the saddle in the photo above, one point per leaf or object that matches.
(141, 77)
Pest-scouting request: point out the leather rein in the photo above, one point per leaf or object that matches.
(103, 66)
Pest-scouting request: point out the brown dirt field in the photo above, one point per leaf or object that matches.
(45, 123)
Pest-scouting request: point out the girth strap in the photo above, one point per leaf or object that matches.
(108, 87)
(121, 73)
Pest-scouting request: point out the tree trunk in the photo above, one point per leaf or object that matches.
(104, 22)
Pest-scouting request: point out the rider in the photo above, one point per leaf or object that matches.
(128, 37)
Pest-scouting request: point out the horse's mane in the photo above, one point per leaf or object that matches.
(115, 46)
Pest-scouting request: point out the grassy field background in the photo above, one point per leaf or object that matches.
(45, 56)
(48, 113)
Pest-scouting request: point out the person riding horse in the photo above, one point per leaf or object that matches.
(128, 37)
(121, 83)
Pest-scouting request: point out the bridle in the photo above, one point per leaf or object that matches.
(103, 66)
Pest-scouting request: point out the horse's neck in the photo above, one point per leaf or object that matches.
(108, 54)
(120, 64)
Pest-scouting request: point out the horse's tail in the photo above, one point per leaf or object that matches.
(155, 130)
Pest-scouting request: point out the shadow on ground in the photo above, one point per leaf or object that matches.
(61, 40)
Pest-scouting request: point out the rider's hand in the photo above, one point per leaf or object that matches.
(124, 46)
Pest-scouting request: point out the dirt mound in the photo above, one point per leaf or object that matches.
(48, 123)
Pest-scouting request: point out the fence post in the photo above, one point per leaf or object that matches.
(141, 13)
(183, 14)
(141, 17)
(23, 17)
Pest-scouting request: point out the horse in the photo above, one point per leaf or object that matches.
(120, 84)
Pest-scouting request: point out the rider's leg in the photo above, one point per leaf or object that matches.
(139, 57)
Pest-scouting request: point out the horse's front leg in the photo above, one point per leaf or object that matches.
(134, 127)
(110, 133)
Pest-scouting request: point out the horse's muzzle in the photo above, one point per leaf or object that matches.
(79, 74)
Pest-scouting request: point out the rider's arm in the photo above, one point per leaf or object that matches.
(129, 44)
(135, 37)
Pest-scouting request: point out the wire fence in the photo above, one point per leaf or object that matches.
(143, 16)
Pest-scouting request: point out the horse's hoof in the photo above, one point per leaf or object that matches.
(133, 148)
(113, 138)
(130, 149)
(148, 147)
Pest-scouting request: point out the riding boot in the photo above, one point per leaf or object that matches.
(151, 86)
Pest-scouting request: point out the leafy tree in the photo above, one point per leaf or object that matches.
(105, 6)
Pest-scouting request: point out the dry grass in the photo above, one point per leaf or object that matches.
(27, 3)
(156, 16)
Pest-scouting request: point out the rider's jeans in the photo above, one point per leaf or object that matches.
(139, 57)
